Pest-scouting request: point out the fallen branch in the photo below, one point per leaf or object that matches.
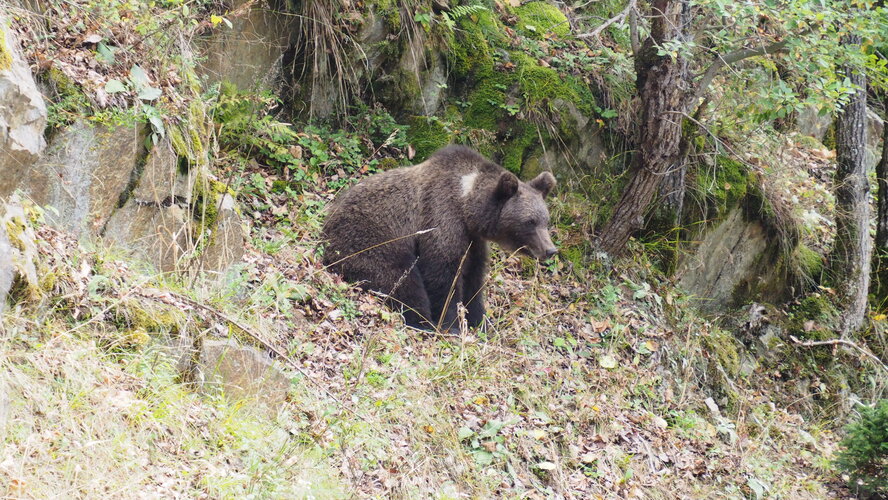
(616, 19)
(848, 343)
(161, 295)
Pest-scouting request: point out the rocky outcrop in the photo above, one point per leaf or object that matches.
(18, 250)
(176, 220)
(84, 172)
(730, 257)
(249, 54)
(22, 114)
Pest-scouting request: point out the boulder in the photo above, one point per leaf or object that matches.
(22, 114)
(227, 237)
(734, 262)
(249, 53)
(86, 171)
(240, 372)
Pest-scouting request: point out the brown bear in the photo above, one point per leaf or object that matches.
(419, 234)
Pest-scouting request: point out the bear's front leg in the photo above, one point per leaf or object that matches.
(445, 289)
(474, 276)
(411, 297)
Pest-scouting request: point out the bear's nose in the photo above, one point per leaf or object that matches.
(550, 252)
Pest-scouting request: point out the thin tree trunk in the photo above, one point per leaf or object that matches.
(852, 249)
(882, 185)
(662, 84)
(880, 262)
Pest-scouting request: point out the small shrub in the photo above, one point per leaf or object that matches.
(865, 451)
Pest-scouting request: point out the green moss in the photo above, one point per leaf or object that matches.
(540, 86)
(485, 104)
(536, 19)
(815, 317)
(723, 347)
(515, 150)
(470, 49)
(400, 87)
(427, 135)
(731, 182)
(575, 255)
(809, 261)
(5, 54)
(140, 317)
(388, 163)
(725, 186)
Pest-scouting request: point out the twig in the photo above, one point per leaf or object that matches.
(633, 32)
(224, 317)
(834, 342)
(616, 19)
(733, 57)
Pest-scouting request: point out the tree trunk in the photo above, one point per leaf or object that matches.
(852, 249)
(880, 270)
(662, 85)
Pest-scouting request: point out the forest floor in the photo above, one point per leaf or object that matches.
(588, 382)
(591, 379)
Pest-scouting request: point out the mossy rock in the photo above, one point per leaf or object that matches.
(729, 185)
(469, 50)
(5, 53)
(809, 261)
(537, 19)
(427, 135)
(815, 318)
(137, 316)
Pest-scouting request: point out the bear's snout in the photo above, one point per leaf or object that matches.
(550, 252)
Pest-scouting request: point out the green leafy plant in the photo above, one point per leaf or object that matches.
(450, 17)
(865, 451)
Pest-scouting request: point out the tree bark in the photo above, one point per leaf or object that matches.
(662, 85)
(852, 249)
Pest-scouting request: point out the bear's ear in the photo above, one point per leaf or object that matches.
(506, 187)
(544, 183)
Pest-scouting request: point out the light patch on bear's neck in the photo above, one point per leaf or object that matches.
(468, 182)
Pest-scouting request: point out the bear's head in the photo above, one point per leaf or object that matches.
(524, 220)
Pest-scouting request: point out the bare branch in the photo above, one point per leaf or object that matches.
(848, 343)
(633, 32)
(731, 58)
(616, 19)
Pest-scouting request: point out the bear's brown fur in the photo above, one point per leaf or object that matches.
(419, 234)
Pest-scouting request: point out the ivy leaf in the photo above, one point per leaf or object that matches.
(149, 93)
(608, 362)
(139, 77)
(114, 86)
(105, 54)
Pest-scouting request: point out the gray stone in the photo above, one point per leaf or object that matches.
(249, 54)
(158, 234)
(83, 175)
(226, 238)
(242, 373)
(22, 115)
(161, 181)
(728, 256)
